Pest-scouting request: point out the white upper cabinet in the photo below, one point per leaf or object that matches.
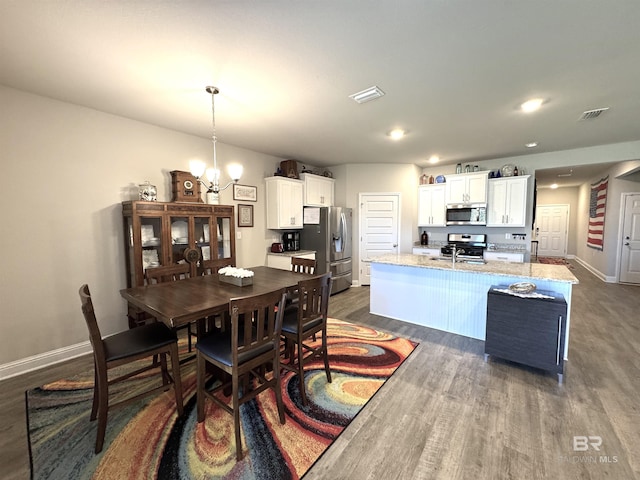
(318, 191)
(431, 205)
(284, 203)
(507, 203)
(467, 188)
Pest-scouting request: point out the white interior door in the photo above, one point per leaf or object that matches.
(551, 230)
(630, 254)
(379, 229)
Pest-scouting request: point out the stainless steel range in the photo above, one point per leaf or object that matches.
(465, 245)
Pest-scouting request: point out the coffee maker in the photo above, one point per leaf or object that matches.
(291, 241)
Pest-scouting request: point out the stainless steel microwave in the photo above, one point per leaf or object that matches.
(467, 214)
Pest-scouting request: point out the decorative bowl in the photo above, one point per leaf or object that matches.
(522, 287)
(440, 179)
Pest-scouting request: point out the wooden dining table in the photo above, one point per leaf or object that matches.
(184, 301)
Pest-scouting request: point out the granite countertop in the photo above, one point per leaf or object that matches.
(533, 271)
(292, 254)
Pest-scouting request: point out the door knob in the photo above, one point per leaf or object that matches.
(627, 244)
(395, 245)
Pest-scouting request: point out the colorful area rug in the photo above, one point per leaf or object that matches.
(146, 440)
(555, 261)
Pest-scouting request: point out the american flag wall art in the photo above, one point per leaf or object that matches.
(597, 205)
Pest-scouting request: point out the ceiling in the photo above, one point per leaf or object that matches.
(454, 72)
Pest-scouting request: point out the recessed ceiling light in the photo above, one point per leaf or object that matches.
(531, 144)
(367, 94)
(397, 134)
(554, 186)
(434, 159)
(532, 105)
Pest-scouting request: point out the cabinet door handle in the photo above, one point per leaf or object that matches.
(559, 338)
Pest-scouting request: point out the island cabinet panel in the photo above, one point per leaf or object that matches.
(530, 331)
(453, 297)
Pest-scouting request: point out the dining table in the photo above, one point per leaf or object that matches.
(191, 299)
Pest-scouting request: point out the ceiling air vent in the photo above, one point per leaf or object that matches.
(367, 95)
(591, 114)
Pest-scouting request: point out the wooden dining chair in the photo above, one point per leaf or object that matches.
(302, 321)
(303, 265)
(172, 273)
(122, 348)
(247, 350)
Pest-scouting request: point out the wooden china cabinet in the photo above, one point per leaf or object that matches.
(158, 233)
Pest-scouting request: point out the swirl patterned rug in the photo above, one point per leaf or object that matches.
(146, 440)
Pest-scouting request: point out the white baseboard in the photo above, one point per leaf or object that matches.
(596, 272)
(46, 359)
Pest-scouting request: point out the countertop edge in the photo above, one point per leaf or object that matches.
(533, 271)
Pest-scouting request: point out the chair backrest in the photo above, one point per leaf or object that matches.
(256, 324)
(313, 299)
(303, 265)
(169, 273)
(92, 324)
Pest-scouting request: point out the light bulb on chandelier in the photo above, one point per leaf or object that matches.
(198, 168)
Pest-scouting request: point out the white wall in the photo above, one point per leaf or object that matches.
(66, 170)
(380, 178)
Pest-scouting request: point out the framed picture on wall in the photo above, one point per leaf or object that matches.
(245, 193)
(245, 215)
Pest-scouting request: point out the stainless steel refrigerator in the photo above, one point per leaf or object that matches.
(327, 230)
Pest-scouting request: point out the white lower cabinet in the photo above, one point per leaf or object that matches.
(432, 252)
(283, 261)
(513, 257)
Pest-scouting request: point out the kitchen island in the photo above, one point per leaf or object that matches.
(437, 293)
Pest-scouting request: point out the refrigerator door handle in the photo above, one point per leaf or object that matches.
(345, 233)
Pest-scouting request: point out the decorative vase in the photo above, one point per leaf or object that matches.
(212, 198)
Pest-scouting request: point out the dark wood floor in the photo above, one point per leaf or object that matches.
(446, 414)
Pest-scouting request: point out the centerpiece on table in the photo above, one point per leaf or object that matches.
(236, 276)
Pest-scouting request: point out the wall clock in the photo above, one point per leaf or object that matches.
(185, 187)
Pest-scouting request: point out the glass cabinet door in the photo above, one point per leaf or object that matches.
(151, 241)
(224, 237)
(202, 233)
(179, 231)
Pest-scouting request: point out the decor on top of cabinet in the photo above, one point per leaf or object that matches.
(185, 187)
(147, 192)
(199, 168)
(289, 168)
(440, 179)
(508, 170)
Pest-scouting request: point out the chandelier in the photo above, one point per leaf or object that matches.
(198, 168)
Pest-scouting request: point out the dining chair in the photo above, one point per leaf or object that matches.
(302, 321)
(172, 273)
(303, 265)
(123, 348)
(251, 345)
